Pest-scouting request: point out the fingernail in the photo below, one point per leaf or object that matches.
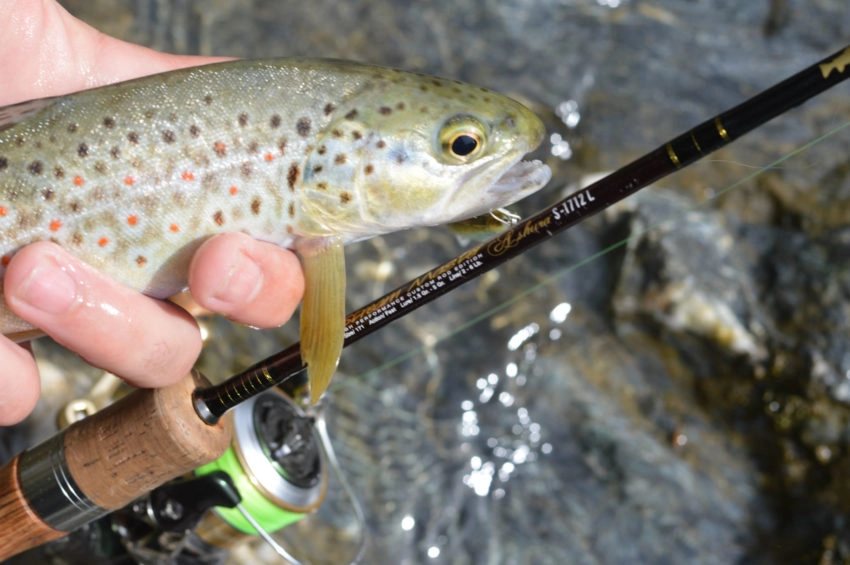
(49, 288)
(243, 281)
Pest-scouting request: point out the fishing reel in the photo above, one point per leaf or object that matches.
(272, 475)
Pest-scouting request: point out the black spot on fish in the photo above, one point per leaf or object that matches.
(115, 152)
(381, 144)
(100, 167)
(356, 135)
(329, 108)
(322, 186)
(253, 147)
(35, 167)
(345, 197)
(255, 206)
(72, 128)
(108, 122)
(400, 106)
(351, 115)
(133, 137)
(368, 169)
(336, 133)
(83, 150)
(302, 126)
(74, 206)
(59, 173)
(47, 194)
(281, 146)
(141, 260)
(275, 121)
(340, 159)
(243, 119)
(321, 150)
(218, 218)
(150, 114)
(292, 176)
(168, 136)
(20, 141)
(4, 162)
(247, 169)
(77, 238)
(423, 88)
(194, 130)
(208, 99)
(317, 169)
(385, 110)
(291, 210)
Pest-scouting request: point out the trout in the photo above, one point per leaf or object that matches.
(306, 154)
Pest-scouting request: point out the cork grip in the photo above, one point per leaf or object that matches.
(117, 455)
(22, 528)
(142, 441)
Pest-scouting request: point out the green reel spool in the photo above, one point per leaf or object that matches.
(275, 461)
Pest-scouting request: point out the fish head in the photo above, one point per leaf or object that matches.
(419, 151)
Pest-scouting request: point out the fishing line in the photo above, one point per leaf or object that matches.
(672, 220)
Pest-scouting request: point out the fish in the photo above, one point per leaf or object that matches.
(308, 154)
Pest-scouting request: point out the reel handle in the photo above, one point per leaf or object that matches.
(104, 462)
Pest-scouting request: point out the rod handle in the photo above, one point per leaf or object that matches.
(20, 527)
(104, 462)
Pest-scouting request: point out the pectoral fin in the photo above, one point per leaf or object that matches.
(322, 311)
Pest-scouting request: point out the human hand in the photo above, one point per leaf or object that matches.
(149, 343)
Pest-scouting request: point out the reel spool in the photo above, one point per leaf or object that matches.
(277, 464)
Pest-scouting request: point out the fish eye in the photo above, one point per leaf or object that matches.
(461, 138)
(464, 144)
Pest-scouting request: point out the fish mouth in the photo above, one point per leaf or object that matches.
(521, 179)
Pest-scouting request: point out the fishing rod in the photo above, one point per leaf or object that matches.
(108, 460)
(680, 152)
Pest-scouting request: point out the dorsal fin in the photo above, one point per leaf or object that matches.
(11, 115)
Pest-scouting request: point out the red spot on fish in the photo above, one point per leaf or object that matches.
(269, 157)
(220, 148)
(174, 227)
(4, 210)
(133, 220)
(233, 190)
(103, 241)
(188, 176)
(78, 180)
(128, 180)
(55, 225)
(5, 260)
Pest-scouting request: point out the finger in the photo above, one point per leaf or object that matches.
(249, 281)
(19, 382)
(147, 342)
(55, 53)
